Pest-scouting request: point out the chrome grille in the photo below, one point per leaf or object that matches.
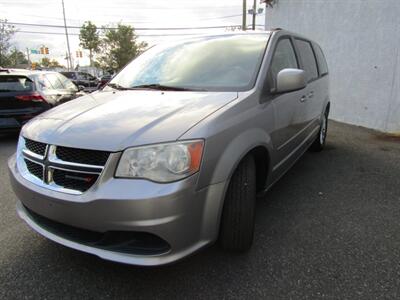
(35, 147)
(82, 156)
(74, 180)
(64, 169)
(34, 168)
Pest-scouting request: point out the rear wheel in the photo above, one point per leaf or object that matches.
(319, 143)
(237, 222)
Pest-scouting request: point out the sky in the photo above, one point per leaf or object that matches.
(137, 13)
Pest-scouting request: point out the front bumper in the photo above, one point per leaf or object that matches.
(186, 218)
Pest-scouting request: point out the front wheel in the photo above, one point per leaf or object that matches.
(237, 221)
(319, 143)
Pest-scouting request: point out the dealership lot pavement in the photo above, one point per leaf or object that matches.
(330, 228)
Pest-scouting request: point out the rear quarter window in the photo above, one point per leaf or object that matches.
(15, 84)
(55, 81)
(44, 83)
(68, 84)
(308, 59)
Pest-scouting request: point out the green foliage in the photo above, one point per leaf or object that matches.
(6, 33)
(118, 47)
(45, 62)
(89, 39)
(16, 58)
(55, 64)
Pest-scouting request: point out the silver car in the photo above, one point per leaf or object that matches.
(170, 155)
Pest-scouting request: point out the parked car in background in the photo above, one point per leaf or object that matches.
(104, 80)
(170, 155)
(86, 80)
(25, 94)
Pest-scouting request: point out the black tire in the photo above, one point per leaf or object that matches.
(319, 143)
(237, 221)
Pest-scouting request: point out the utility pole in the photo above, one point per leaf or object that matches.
(27, 55)
(69, 62)
(244, 15)
(254, 14)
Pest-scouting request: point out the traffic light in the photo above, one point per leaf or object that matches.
(44, 50)
(79, 53)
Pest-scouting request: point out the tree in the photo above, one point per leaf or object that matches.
(6, 33)
(55, 64)
(119, 46)
(16, 58)
(47, 63)
(89, 39)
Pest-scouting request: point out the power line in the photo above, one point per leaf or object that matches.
(223, 17)
(136, 28)
(72, 19)
(77, 34)
(133, 22)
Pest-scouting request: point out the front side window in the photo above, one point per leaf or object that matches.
(323, 66)
(308, 59)
(227, 63)
(90, 77)
(284, 57)
(70, 75)
(84, 76)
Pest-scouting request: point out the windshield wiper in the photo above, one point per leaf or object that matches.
(156, 86)
(117, 86)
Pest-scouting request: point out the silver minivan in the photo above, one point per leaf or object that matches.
(170, 155)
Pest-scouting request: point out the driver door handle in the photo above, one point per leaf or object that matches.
(303, 99)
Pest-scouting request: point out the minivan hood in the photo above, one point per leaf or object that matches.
(113, 121)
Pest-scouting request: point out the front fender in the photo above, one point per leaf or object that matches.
(236, 150)
(218, 173)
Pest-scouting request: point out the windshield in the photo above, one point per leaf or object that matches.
(219, 63)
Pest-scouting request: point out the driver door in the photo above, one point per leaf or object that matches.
(289, 108)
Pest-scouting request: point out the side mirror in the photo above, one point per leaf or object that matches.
(289, 80)
(81, 88)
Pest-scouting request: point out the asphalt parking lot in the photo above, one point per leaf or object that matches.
(330, 228)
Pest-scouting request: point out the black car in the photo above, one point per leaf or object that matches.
(89, 82)
(25, 94)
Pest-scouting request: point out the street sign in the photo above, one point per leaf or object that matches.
(34, 51)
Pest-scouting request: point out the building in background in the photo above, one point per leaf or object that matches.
(361, 41)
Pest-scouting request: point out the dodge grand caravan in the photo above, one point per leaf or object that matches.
(170, 155)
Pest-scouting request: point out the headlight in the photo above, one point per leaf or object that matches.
(163, 162)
